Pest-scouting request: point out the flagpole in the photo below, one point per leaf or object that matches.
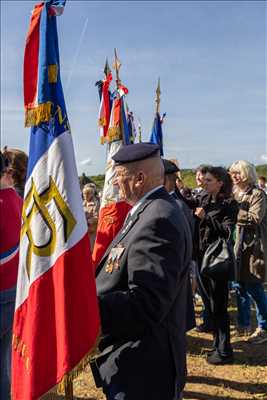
(116, 66)
(158, 93)
(106, 69)
(106, 72)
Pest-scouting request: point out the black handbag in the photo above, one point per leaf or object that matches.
(219, 261)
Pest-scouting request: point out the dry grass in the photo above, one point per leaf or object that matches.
(246, 379)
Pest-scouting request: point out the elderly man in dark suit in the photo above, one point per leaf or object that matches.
(142, 287)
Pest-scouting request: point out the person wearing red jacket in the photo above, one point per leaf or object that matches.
(10, 222)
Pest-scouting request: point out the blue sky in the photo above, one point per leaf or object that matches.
(209, 55)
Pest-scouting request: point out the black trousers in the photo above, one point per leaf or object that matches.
(217, 303)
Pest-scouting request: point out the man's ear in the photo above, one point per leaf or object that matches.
(140, 179)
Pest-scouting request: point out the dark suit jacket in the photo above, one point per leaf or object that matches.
(190, 310)
(185, 208)
(219, 221)
(143, 304)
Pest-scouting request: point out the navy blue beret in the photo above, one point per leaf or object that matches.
(169, 167)
(135, 152)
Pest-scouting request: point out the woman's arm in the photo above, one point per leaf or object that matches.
(225, 227)
(251, 213)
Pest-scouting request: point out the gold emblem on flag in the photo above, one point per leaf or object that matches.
(38, 203)
(22, 349)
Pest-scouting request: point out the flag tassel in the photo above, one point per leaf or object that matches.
(114, 133)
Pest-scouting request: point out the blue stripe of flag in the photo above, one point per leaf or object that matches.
(8, 252)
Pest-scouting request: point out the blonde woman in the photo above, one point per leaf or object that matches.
(250, 249)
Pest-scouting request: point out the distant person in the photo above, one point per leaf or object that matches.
(170, 179)
(17, 168)
(200, 178)
(10, 222)
(194, 201)
(180, 188)
(262, 183)
(251, 250)
(91, 207)
(217, 212)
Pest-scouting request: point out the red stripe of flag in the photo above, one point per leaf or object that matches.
(57, 324)
(31, 57)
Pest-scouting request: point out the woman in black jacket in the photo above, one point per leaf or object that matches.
(216, 214)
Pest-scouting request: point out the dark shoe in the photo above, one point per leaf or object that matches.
(215, 358)
(204, 328)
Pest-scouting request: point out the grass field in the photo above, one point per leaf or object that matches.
(246, 379)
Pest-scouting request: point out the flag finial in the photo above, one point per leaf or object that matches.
(106, 68)
(158, 93)
(116, 66)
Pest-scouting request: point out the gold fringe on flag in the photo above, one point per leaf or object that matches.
(67, 380)
(114, 133)
(70, 376)
(41, 113)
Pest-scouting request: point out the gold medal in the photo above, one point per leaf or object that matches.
(113, 259)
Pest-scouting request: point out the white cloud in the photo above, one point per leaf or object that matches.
(87, 161)
(263, 158)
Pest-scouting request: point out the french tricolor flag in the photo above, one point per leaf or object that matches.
(113, 211)
(56, 322)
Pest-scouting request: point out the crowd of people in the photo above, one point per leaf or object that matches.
(165, 256)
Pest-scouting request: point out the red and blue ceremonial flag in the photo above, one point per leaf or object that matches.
(104, 109)
(112, 210)
(56, 322)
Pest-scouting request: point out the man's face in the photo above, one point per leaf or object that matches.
(125, 181)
